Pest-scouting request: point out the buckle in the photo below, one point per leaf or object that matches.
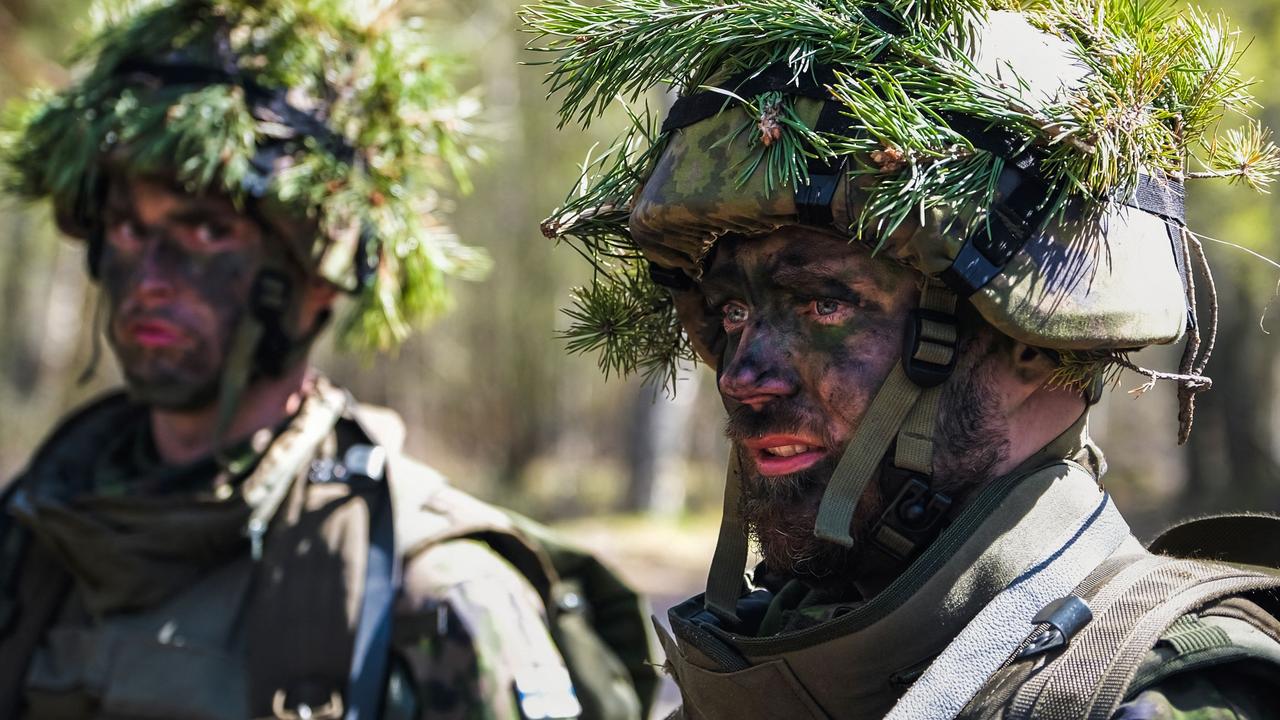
(1056, 624)
(912, 519)
(331, 710)
(929, 347)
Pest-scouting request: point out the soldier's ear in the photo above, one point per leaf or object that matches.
(317, 301)
(1031, 366)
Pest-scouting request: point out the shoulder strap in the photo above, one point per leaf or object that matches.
(1244, 538)
(372, 649)
(1131, 612)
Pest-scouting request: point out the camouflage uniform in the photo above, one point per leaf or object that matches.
(469, 626)
(1028, 598)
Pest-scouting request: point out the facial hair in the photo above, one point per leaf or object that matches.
(780, 512)
(186, 378)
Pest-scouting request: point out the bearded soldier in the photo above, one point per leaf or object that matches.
(235, 536)
(914, 240)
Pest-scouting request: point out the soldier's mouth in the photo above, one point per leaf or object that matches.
(784, 454)
(154, 333)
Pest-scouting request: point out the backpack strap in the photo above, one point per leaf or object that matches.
(1131, 612)
(372, 651)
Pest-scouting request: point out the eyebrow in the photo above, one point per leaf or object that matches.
(201, 212)
(724, 277)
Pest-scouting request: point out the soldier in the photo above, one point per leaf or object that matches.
(234, 536)
(915, 240)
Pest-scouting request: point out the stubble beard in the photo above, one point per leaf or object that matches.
(178, 380)
(780, 512)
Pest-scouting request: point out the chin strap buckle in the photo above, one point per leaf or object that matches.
(912, 520)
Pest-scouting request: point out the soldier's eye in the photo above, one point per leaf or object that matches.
(211, 233)
(124, 235)
(825, 306)
(734, 314)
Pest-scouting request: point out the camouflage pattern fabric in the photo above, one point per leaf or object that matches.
(469, 628)
(1226, 693)
(1066, 289)
(484, 636)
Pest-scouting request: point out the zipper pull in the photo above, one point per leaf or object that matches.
(257, 529)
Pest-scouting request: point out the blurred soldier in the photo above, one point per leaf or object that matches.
(915, 240)
(234, 536)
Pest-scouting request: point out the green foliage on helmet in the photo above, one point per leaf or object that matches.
(336, 120)
(1103, 93)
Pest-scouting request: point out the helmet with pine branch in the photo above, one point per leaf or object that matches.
(334, 123)
(1027, 157)
(1031, 160)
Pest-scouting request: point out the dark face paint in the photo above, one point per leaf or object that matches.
(176, 271)
(813, 325)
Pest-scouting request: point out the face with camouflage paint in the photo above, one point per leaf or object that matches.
(813, 324)
(176, 270)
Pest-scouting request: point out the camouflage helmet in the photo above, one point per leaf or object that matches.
(1031, 160)
(1027, 157)
(335, 123)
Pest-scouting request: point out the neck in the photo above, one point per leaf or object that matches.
(185, 436)
(1037, 421)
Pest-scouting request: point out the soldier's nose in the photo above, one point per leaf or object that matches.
(756, 371)
(155, 281)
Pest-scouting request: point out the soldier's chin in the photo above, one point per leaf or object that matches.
(175, 394)
(790, 551)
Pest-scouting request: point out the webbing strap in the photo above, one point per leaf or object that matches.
(877, 430)
(235, 378)
(914, 449)
(966, 665)
(372, 647)
(902, 410)
(267, 487)
(724, 580)
(1130, 614)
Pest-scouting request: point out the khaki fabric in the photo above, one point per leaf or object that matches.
(854, 659)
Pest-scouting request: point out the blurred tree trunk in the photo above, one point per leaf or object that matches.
(21, 360)
(1233, 463)
(658, 448)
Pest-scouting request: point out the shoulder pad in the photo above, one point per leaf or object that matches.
(429, 511)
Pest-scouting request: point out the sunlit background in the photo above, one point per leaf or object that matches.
(491, 399)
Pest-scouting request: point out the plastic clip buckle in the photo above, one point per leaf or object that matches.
(1062, 619)
(911, 520)
(921, 372)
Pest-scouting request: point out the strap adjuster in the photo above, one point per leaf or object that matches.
(911, 520)
(929, 347)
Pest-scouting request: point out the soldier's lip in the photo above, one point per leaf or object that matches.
(784, 454)
(155, 333)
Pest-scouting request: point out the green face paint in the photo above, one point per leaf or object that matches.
(176, 272)
(813, 324)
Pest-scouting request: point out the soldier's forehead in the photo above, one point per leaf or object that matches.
(162, 194)
(797, 252)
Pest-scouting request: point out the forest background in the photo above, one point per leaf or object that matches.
(491, 399)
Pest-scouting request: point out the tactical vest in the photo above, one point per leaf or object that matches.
(305, 627)
(958, 623)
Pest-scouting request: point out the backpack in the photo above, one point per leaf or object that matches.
(1146, 618)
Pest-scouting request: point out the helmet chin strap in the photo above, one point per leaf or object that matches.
(260, 347)
(904, 410)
